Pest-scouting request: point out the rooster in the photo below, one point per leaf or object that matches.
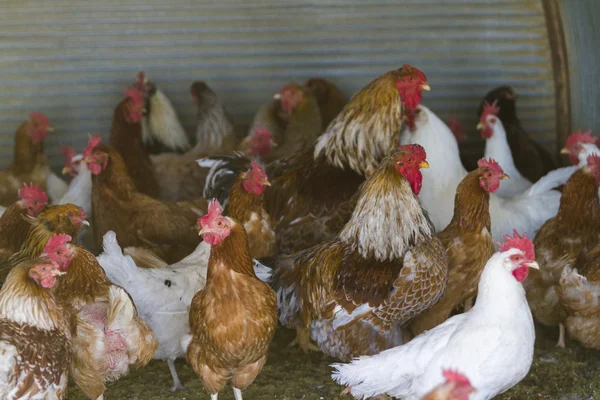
(532, 160)
(166, 313)
(353, 294)
(468, 242)
(492, 343)
(34, 334)
(109, 336)
(309, 187)
(13, 226)
(525, 212)
(30, 164)
(140, 220)
(67, 219)
(233, 342)
(329, 97)
(456, 387)
(561, 239)
(179, 175)
(496, 147)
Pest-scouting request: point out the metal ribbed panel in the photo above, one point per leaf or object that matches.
(72, 59)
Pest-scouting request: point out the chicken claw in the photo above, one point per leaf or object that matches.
(302, 340)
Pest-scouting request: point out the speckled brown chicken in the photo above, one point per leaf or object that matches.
(352, 295)
(468, 242)
(560, 240)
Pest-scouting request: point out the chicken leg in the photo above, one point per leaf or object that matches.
(214, 396)
(177, 385)
(561, 336)
(302, 340)
(237, 393)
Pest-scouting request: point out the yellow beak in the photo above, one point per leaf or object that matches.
(66, 170)
(423, 164)
(504, 177)
(533, 265)
(50, 129)
(204, 231)
(565, 151)
(277, 96)
(426, 87)
(266, 182)
(85, 222)
(479, 126)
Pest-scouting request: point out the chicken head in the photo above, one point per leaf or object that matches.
(520, 261)
(96, 160)
(409, 160)
(33, 198)
(488, 119)
(45, 274)
(491, 174)
(574, 144)
(39, 126)
(59, 250)
(256, 179)
(214, 226)
(411, 86)
(261, 142)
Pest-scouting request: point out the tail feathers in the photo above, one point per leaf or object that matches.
(123, 318)
(223, 172)
(163, 124)
(120, 269)
(551, 180)
(262, 272)
(579, 295)
(56, 187)
(145, 258)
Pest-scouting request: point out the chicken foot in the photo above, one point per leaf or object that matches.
(177, 385)
(237, 393)
(561, 336)
(303, 341)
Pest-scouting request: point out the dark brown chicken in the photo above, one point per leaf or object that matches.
(330, 98)
(167, 228)
(353, 295)
(468, 242)
(531, 159)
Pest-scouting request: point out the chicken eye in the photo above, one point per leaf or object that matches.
(409, 159)
(493, 120)
(219, 223)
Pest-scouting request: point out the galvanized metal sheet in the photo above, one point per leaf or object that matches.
(72, 59)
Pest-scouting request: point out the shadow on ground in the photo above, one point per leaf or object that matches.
(557, 374)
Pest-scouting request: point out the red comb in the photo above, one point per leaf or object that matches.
(68, 153)
(134, 94)
(32, 192)
(455, 376)
(579, 137)
(93, 141)
(415, 72)
(214, 210)
(417, 149)
(490, 163)
(517, 242)
(259, 130)
(489, 109)
(56, 241)
(256, 171)
(457, 128)
(140, 80)
(39, 117)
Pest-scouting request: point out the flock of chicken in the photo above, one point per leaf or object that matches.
(419, 275)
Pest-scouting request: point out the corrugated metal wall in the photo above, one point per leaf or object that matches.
(72, 59)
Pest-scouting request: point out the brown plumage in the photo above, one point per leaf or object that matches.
(34, 335)
(579, 290)
(233, 319)
(330, 98)
(559, 242)
(469, 246)
(167, 228)
(29, 164)
(531, 159)
(66, 219)
(108, 335)
(352, 295)
(13, 230)
(126, 138)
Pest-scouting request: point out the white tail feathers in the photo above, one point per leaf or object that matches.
(56, 187)
(163, 125)
(262, 272)
(551, 180)
(120, 269)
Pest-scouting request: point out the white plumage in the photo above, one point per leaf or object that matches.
(525, 212)
(492, 344)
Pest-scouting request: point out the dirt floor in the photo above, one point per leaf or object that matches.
(558, 374)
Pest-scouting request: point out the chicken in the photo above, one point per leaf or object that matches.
(468, 242)
(257, 145)
(34, 334)
(496, 147)
(492, 343)
(160, 123)
(579, 146)
(329, 97)
(531, 159)
(561, 239)
(579, 292)
(526, 212)
(67, 219)
(353, 294)
(30, 164)
(127, 139)
(13, 227)
(139, 220)
(269, 117)
(230, 344)
(456, 387)
(309, 188)
(179, 175)
(108, 334)
(167, 313)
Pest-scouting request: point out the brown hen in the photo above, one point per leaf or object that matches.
(330, 98)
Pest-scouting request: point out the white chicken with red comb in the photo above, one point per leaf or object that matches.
(492, 343)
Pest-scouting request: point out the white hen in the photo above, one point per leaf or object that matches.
(525, 212)
(492, 343)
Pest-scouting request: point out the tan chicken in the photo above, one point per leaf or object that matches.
(353, 295)
(230, 344)
(30, 165)
(559, 242)
(468, 242)
(109, 336)
(167, 228)
(13, 226)
(330, 99)
(34, 334)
